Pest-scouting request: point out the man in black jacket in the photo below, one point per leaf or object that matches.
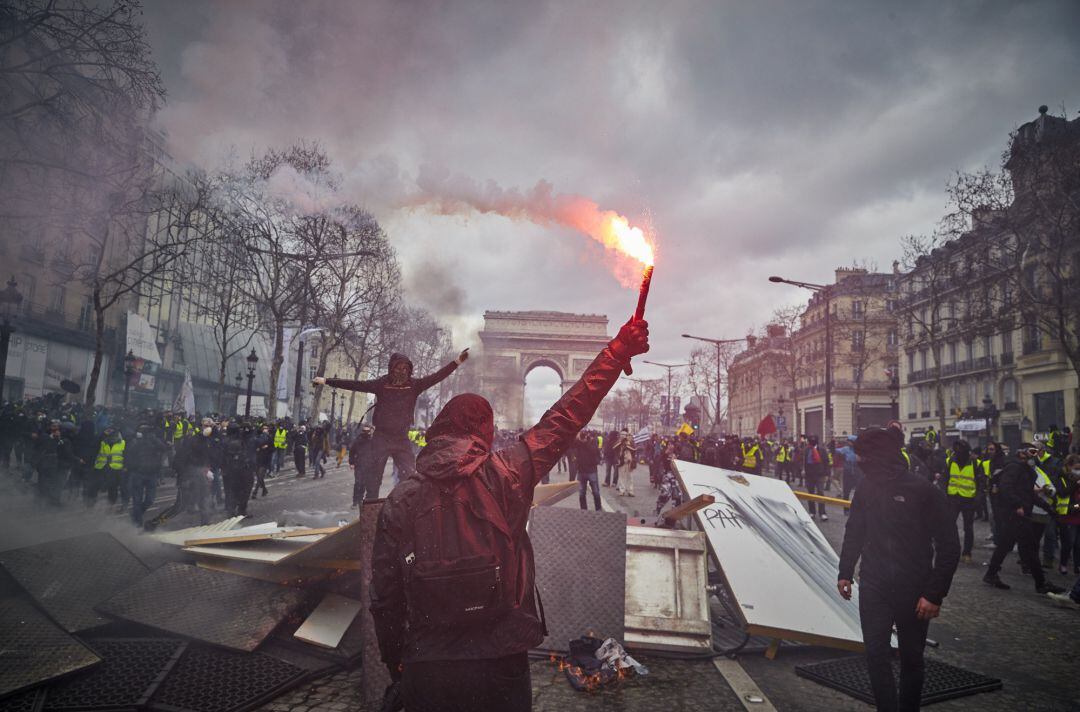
(1016, 499)
(902, 528)
(453, 576)
(144, 460)
(395, 404)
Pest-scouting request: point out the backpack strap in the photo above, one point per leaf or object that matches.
(540, 605)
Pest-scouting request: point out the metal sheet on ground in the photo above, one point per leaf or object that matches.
(264, 552)
(220, 608)
(29, 701)
(667, 606)
(178, 537)
(68, 577)
(776, 563)
(941, 682)
(328, 622)
(131, 671)
(373, 675)
(339, 545)
(581, 573)
(208, 679)
(34, 649)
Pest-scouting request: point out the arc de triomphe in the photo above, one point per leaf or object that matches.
(514, 343)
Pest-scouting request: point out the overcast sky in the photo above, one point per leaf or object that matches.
(758, 138)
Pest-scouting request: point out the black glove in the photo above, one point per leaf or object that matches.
(392, 701)
(633, 339)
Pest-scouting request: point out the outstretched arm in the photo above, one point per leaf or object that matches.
(425, 382)
(349, 385)
(547, 440)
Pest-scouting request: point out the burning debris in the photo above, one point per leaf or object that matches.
(593, 663)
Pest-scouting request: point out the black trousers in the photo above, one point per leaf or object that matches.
(1024, 534)
(965, 507)
(813, 486)
(492, 685)
(881, 606)
(367, 481)
(398, 447)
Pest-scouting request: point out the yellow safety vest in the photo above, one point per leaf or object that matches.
(781, 455)
(279, 438)
(178, 430)
(421, 441)
(962, 479)
(907, 458)
(1060, 499)
(111, 456)
(750, 456)
(931, 436)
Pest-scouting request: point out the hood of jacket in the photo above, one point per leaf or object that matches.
(396, 358)
(459, 440)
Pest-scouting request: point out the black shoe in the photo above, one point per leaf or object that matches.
(996, 582)
(1049, 588)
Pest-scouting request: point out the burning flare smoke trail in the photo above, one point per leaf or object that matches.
(451, 195)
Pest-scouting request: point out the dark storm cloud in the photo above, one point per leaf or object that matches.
(760, 137)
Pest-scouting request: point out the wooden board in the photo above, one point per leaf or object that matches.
(266, 552)
(242, 535)
(344, 543)
(667, 606)
(178, 537)
(328, 622)
(778, 566)
(546, 495)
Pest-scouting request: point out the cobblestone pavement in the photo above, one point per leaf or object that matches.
(1015, 635)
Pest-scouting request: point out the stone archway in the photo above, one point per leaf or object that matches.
(514, 343)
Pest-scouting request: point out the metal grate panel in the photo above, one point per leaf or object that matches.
(208, 679)
(68, 577)
(31, 701)
(132, 669)
(581, 572)
(942, 682)
(220, 608)
(34, 649)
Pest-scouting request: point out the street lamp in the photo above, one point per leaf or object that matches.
(129, 371)
(251, 359)
(10, 299)
(718, 343)
(669, 367)
(239, 390)
(333, 403)
(826, 294)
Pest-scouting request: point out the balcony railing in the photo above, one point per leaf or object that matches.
(1006, 359)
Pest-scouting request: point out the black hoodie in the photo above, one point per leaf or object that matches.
(902, 528)
(394, 405)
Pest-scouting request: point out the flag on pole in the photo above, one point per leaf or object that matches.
(686, 429)
(185, 399)
(642, 435)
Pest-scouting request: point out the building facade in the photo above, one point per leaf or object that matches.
(759, 384)
(865, 347)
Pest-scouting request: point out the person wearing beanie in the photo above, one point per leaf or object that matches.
(902, 529)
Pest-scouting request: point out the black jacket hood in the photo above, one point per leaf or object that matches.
(396, 358)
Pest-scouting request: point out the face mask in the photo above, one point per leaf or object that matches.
(207, 431)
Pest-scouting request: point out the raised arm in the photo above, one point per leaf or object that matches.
(425, 382)
(547, 440)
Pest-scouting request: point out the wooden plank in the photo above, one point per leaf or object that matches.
(328, 622)
(177, 538)
(289, 575)
(549, 494)
(821, 498)
(684, 510)
(744, 687)
(808, 638)
(239, 538)
(266, 552)
(773, 649)
(646, 541)
(675, 625)
(343, 543)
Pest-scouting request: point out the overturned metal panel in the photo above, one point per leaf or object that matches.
(178, 537)
(580, 572)
(667, 606)
(327, 624)
(34, 650)
(131, 672)
(942, 681)
(220, 608)
(208, 679)
(68, 577)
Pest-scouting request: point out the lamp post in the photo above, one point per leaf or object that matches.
(718, 343)
(10, 299)
(826, 293)
(251, 359)
(780, 414)
(333, 404)
(129, 371)
(669, 367)
(239, 390)
(989, 412)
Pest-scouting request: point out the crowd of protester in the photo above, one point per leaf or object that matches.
(72, 455)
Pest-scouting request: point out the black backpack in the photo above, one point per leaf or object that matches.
(460, 567)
